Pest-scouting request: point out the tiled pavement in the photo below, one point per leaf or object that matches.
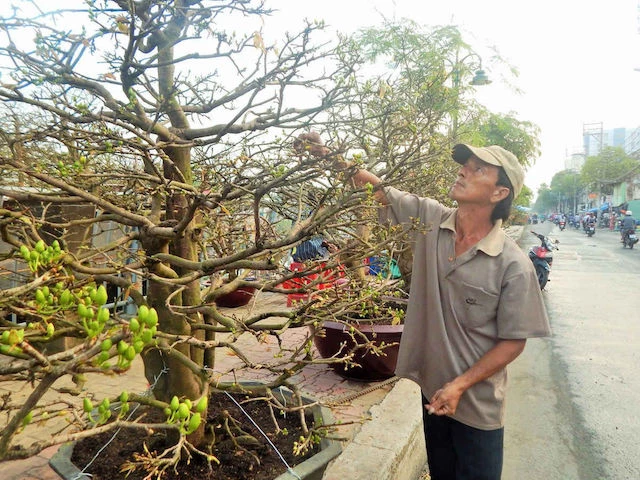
(316, 381)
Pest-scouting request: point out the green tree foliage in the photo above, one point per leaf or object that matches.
(598, 175)
(546, 200)
(411, 101)
(567, 186)
(567, 182)
(519, 137)
(525, 197)
(610, 166)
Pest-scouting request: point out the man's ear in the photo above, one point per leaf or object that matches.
(499, 194)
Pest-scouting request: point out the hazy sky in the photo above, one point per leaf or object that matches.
(576, 58)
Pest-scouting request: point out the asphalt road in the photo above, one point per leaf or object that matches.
(573, 408)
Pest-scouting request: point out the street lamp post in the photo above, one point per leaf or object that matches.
(480, 78)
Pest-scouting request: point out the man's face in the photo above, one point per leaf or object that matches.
(476, 183)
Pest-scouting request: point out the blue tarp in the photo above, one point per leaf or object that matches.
(312, 249)
(603, 208)
(381, 265)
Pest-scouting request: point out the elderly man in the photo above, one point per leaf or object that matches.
(474, 301)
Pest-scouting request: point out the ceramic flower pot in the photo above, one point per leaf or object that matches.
(338, 341)
(238, 298)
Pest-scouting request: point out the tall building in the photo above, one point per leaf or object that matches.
(574, 162)
(595, 138)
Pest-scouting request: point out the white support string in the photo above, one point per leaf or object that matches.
(82, 474)
(289, 469)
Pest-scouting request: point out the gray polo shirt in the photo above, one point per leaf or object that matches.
(461, 307)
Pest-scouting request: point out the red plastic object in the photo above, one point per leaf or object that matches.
(293, 298)
(328, 278)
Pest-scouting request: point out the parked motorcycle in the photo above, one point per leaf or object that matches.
(629, 239)
(542, 257)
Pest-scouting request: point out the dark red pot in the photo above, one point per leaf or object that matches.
(372, 367)
(237, 298)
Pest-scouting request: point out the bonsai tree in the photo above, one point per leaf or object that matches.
(145, 148)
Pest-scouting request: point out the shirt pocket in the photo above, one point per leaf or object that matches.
(474, 306)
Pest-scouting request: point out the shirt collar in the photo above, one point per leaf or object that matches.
(492, 244)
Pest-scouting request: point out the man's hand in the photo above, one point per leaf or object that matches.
(310, 142)
(445, 401)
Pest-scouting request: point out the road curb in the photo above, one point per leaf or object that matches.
(391, 445)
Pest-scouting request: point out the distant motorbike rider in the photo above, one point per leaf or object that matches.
(589, 220)
(562, 221)
(628, 225)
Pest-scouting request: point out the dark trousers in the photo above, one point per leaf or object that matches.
(459, 452)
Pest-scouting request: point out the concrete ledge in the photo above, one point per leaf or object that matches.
(388, 447)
